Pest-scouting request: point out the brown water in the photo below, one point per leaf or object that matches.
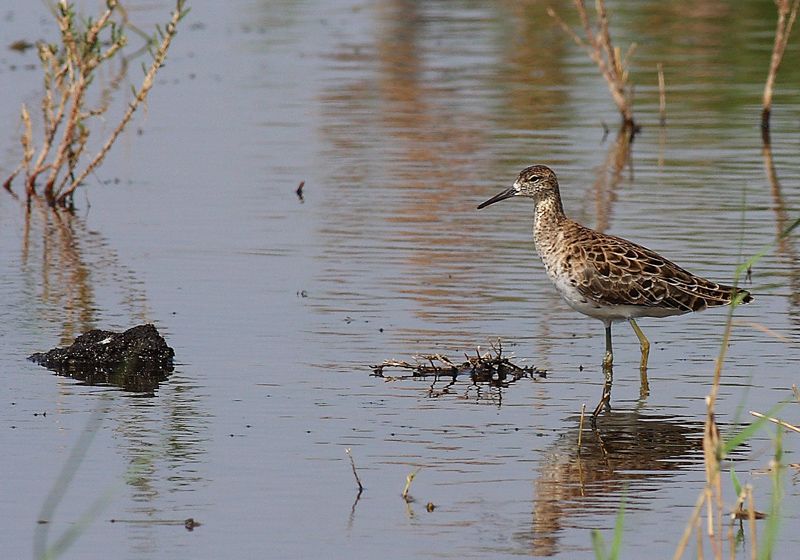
(400, 117)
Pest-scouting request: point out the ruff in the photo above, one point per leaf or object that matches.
(607, 277)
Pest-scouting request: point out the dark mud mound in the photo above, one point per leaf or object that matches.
(135, 360)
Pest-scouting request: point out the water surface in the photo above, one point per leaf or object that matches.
(400, 117)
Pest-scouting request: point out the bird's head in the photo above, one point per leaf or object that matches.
(536, 182)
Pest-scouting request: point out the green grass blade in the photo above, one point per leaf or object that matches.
(79, 528)
(737, 486)
(56, 494)
(599, 545)
(745, 434)
(774, 519)
(616, 544)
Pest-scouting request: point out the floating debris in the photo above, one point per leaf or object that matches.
(742, 513)
(21, 45)
(491, 368)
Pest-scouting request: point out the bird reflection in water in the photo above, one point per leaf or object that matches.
(617, 458)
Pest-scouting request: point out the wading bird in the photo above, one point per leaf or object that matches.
(607, 277)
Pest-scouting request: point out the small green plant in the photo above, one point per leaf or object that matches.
(598, 543)
(57, 163)
(774, 518)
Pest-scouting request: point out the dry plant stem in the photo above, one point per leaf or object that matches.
(27, 147)
(713, 490)
(662, 96)
(711, 495)
(141, 95)
(766, 330)
(69, 71)
(751, 522)
(82, 71)
(694, 521)
(776, 421)
(409, 480)
(731, 543)
(699, 535)
(52, 120)
(786, 15)
(580, 427)
(602, 51)
(711, 399)
(713, 449)
(10, 179)
(355, 473)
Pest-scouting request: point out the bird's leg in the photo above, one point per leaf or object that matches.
(608, 359)
(605, 400)
(608, 372)
(645, 344)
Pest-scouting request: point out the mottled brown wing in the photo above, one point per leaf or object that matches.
(618, 272)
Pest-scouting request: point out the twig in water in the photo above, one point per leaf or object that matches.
(776, 421)
(355, 473)
(606, 130)
(490, 368)
(765, 329)
(786, 17)
(299, 191)
(409, 480)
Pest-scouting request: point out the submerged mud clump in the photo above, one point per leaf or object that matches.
(135, 360)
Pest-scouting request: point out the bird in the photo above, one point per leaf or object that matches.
(607, 277)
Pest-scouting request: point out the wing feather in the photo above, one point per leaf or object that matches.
(612, 270)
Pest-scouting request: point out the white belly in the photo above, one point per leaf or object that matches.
(606, 313)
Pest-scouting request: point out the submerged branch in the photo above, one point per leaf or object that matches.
(489, 367)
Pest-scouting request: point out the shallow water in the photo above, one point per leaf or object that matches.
(400, 117)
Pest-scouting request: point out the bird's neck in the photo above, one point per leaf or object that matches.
(547, 219)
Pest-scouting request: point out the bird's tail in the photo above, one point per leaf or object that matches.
(710, 294)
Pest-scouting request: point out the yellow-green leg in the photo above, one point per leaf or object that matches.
(608, 359)
(645, 345)
(605, 400)
(608, 373)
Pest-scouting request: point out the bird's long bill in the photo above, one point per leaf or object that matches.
(508, 193)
